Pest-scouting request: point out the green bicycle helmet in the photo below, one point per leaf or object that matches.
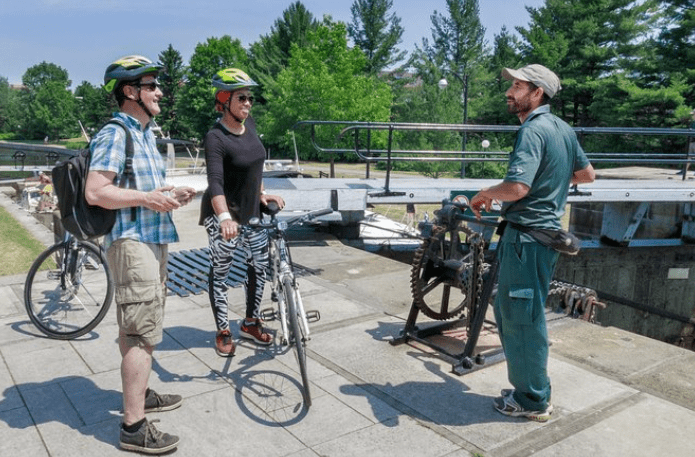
(128, 68)
(231, 79)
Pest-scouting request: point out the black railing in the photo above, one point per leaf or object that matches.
(368, 154)
(365, 151)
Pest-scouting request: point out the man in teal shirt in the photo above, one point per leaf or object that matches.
(546, 160)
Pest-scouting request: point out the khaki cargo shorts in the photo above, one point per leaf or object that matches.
(139, 273)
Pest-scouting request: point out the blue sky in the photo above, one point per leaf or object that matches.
(84, 36)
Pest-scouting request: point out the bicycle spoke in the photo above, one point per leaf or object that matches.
(64, 304)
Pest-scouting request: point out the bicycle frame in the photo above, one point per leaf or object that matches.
(293, 318)
(280, 269)
(68, 264)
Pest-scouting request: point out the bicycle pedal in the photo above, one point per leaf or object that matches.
(268, 314)
(53, 275)
(313, 316)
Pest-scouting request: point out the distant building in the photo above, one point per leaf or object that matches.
(413, 80)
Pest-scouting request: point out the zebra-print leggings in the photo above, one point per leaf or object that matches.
(230, 259)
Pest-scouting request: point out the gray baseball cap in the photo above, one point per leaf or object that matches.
(536, 74)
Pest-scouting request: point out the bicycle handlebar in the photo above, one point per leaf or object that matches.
(257, 223)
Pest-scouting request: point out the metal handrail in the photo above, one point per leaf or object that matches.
(377, 155)
(390, 155)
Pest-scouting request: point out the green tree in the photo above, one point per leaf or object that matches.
(673, 48)
(584, 43)
(324, 80)
(458, 39)
(8, 107)
(377, 33)
(172, 79)
(44, 72)
(492, 106)
(271, 53)
(456, 53)
(49, 105)
(93, 106)
(52, 112)
(195, 105)
(457, 47)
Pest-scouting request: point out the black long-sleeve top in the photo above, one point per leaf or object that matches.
(234, 169)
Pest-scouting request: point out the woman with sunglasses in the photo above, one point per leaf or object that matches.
(234, 159)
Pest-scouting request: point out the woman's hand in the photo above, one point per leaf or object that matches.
(229, 229)
(265, 199)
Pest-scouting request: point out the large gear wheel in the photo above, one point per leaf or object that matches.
(443, 262)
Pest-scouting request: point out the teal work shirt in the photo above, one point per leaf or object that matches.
(546, 155)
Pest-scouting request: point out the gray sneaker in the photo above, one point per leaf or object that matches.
(148, 440)
(156, 403)
(509, 407)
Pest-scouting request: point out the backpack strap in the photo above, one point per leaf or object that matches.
(128, 170)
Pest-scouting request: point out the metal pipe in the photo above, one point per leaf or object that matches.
(646, 308)
(494, 156)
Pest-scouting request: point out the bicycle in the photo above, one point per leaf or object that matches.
(69, 288)
(294, 320)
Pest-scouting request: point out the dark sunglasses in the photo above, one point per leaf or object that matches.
(150, 86)
(245, 98)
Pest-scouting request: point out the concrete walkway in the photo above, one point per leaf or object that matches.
(615, 393)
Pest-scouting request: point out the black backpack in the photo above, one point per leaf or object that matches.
(78, 217)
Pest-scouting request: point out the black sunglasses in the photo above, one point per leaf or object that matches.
(244, 98)
(150, 86)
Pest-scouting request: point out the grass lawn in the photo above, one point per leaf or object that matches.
(18, 248)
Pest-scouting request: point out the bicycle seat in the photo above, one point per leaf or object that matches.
(271, 209)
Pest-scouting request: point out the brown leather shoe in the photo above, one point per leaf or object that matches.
(254, 331)
(224, 346)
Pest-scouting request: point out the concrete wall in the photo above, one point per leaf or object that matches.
(661, 277)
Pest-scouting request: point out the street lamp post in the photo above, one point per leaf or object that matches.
(443, 84)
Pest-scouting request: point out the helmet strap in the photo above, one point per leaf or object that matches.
(144, 108)
(226, 108)
(140, 102)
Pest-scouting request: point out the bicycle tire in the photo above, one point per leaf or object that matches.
(297, 338)
(65, 305)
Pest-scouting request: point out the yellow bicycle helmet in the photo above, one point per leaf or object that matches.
(128, 68)
(231, 79)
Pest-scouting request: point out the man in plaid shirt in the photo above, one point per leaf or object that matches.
(137, 245)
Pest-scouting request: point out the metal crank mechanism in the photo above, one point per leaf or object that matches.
(452, 277)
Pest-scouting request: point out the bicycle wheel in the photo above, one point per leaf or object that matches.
(66, 296)
(297, 337)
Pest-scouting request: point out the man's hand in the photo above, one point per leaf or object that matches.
(159, 200)
(479, 203)
(184, 194)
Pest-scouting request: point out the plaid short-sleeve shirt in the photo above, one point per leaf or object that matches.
(108, 154)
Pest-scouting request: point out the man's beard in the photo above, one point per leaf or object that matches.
(519, 106)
